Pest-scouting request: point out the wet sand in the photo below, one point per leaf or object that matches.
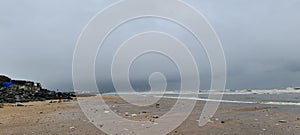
(67, 118)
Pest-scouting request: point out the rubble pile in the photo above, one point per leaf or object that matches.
(9, 95)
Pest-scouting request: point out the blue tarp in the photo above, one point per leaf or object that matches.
(6, 84)
(13, 81)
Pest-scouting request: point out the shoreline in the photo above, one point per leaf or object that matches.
(67, 118)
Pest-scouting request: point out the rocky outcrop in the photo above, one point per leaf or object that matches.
(4, 79)
(9, 95)
(25, 91)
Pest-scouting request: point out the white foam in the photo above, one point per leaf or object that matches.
(232, 101)
(225, 92)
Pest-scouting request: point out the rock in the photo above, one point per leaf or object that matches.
(222, 122)
(282, 121)
(20, 105)
(126, 114)
(4, 79)
(298, 118)
(133, 115)
(1, 105)
(13, 95)
(155, 116)
(157, 105)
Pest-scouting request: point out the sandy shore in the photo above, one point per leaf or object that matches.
(230, 119)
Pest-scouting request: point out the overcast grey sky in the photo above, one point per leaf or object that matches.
(261, 40)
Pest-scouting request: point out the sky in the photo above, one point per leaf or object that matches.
(260, 38)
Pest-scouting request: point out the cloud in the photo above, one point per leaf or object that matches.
(260, 39)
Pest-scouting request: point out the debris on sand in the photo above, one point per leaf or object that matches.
(282, 121)
(72, 128)
(210, 121)
(106, 111)
(253, 109)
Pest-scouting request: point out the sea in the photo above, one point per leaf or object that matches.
(286, 97)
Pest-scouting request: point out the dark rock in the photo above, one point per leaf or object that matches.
(4, 79)
(155, 116)
(12, 95)
(282, 121)
(20, 105)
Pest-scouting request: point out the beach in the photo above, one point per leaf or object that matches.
(60, 118)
